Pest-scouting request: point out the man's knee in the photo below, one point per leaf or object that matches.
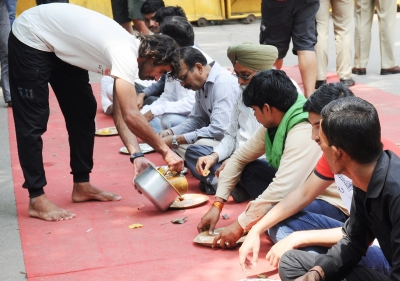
(293, 264)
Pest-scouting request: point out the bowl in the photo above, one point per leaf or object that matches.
(161, 190)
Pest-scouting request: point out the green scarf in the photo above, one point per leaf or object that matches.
(293, 116)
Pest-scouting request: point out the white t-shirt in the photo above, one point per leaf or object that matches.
(80, 37)
(345, 189)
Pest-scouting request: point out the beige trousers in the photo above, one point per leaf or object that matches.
(386, 11)
(342, 17)
(181, 151)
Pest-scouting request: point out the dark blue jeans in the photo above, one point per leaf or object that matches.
(256, 177)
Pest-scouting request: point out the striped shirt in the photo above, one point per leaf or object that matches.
(243, 124)
(211, 112)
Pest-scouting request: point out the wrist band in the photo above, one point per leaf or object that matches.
(212, 157)
(218, 205)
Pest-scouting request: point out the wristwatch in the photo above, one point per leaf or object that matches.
(136, 155)
(175, 144)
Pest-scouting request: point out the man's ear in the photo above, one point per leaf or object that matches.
(199, 67)
(266, 109)
(337, 154)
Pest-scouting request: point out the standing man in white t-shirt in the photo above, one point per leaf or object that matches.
(58, 44)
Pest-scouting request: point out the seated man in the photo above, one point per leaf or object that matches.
(290, 153)
(246, 63)
(176, 102)
(148, 10)
(216, 92)
(374, 208)
(324, 232)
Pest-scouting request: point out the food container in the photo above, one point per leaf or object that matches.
(159, 189)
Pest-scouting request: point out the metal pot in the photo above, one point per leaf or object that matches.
(159, 189)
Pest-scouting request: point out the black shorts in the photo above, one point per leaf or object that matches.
(283, 20)
(120, 11)
(126, 10)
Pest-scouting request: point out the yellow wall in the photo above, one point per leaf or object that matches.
(101, 6)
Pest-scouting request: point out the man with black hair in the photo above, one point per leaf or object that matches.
(148, 10)
(350, 138)
(176, 102)
(284, 138)
(216, 92)
(310, 229)
(150, 94)
(43, 49)
(168, 11)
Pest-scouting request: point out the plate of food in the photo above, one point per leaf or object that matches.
(205, 239)
(109, 131)
(189, 200)
(144, 147)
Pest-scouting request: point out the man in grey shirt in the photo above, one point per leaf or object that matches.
(246, 62)
(216, 92)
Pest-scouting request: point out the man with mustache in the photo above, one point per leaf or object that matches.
(216, 92)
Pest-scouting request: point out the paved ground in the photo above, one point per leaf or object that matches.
(214, 40)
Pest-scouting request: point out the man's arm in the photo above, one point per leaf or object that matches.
(155, 89)
(298, 160)
(223, 97)
(299, 239)
(290, 205)
(247, 153)
(170, 102)
(129, 114)
(197, 119)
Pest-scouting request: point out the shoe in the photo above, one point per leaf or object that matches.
(239, 194)
(393, 70)
(319, 83)
(348, 82)
(359, 71)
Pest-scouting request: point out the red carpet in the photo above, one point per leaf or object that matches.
(98, 245)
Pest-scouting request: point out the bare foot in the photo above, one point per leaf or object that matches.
(41, 207)
(84, 191)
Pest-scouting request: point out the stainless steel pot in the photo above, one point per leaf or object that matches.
(157, 188)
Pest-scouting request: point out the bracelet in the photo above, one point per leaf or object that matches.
(212, 157)
(218, 205)
(168, 132)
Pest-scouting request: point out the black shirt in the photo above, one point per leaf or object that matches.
(374, 214)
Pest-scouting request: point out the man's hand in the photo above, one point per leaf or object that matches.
(229, 236)
(139, 164)
(205, 163)
(167, 140)
(175, 163)
(250, 244)
(311, 276)
(209, 220)
(140, 100)
(275, 253)
(219, 170)
(148, 115)
(164, 133)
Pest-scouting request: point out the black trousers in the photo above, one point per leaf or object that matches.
(30, 72)
(296, 263)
